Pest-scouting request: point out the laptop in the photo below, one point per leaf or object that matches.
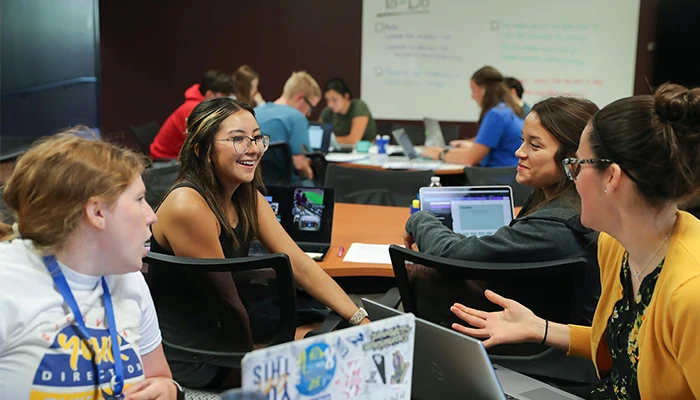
(306, 213)
(404, 141)
(320, 136)
(433, 133)
(371, 361)
(469, 210)
(450, 365)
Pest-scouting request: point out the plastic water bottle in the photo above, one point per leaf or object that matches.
(381, 149)
(435, 181)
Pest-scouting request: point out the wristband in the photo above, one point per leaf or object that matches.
(359, 315)
(546, 329)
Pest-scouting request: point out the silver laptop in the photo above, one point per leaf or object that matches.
(449, 365)
(433, 133)
(404, 141)
(469, 210)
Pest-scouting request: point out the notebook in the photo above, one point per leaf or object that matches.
(320, 136)
(306, 213)
(449, 365)
(404, 141)
(372, 361)
(469, 210)
(433, 133)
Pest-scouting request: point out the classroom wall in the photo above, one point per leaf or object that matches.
(152, 51)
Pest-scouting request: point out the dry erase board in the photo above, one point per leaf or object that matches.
(418, 55)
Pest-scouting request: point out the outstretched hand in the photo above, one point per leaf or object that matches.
(515, 324)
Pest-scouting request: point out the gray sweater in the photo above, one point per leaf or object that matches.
(553, 232)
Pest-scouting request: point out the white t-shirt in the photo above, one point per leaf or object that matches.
(41, 354)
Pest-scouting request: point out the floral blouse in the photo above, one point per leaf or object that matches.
(621, 336)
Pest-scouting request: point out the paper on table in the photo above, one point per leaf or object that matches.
(345, 157)
(315, 256)
(368, 253)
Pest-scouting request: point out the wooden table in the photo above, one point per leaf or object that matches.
(359, 223)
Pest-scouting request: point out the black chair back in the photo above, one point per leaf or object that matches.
(144, 135)
(158, 180)
(6, 215)
(415, 132)
(377, 187)
(277, 164)
(554, 290)
(493, 176)
(450, 132)
(181, 286)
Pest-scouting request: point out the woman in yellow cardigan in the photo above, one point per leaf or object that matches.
(637, 158)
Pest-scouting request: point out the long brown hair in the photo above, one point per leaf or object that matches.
(242, 84)
(196, 168)
(495, 91)
(565, 118)
(53, 181)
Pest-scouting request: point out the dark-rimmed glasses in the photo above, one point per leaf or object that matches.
(311, 106)
(572, 166)
(242, 143)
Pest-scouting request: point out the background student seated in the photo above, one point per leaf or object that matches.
(516, 89)
(171, 135)
(245, 86)
(548, 227)
(351, 119)
(285, 120)
(500, 123)
(637, 159)
(213, 211)
(71, 276)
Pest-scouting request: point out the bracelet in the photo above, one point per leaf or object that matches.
(180, 391)
(546, 329)
(441, 157)
(359, 315)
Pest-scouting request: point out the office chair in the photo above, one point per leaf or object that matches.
(6, 215)
(450, 133)
(11, 147)
(158, 179)
(144, 135)
(491, 176)
(186, 302)
(277, 164)
(377, 187)
(563, 281)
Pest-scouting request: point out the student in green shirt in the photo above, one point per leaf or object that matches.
(350, 117)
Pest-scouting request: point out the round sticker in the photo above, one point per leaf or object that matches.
(316, 369)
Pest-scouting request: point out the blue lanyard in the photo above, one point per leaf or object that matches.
(117, 381)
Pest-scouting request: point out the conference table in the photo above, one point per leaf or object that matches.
(372, 160)
(360, 223)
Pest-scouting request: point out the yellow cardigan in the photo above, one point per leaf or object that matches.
(669, 338)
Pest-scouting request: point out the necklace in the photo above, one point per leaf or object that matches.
(636, 273)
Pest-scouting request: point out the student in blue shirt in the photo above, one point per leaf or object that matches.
(500, 124)
(285, 120)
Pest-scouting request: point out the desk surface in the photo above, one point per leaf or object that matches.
(372, 160)
(359, 223)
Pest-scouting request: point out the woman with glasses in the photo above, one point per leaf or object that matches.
(547, 229)
(214, 210)
(351, 119)
(638, 158)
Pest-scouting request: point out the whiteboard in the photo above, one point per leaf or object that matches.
(419, 55)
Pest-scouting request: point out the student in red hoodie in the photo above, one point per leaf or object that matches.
(168, 142)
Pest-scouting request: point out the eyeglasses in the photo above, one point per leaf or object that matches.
(572, 166)
(242, 143)
(311, 106)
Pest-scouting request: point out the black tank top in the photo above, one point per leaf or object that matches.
(226, 243)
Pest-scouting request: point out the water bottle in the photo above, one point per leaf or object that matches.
(435, 181)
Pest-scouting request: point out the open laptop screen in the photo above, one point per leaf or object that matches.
(319, 136)
(470, 210)
(404, 141)
(306, 213)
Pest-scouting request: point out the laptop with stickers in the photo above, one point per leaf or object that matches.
(372, 361)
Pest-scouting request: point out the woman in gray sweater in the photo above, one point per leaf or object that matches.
(548, 227)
